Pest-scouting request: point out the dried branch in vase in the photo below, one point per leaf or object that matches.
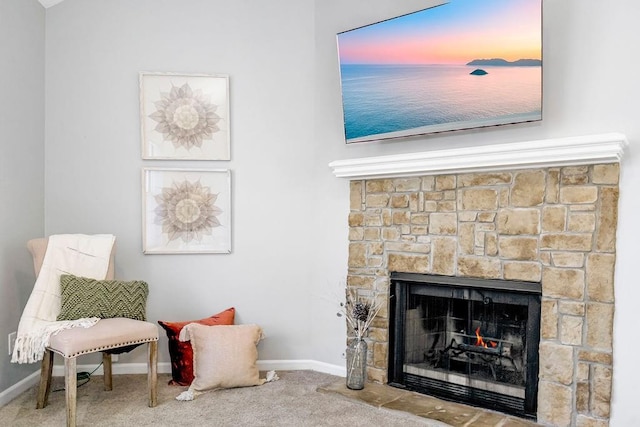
(359, 310)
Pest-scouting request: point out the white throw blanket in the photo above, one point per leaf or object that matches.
(77, 254)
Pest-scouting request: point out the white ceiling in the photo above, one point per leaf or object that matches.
(49, 3)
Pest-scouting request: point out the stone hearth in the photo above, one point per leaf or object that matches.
(555, 225)
(432, 409)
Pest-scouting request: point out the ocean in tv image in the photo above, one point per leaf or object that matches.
(380, 99)
(460, 65)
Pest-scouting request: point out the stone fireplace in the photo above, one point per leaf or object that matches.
(542, 212)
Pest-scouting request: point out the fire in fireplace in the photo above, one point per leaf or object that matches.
(468, 340)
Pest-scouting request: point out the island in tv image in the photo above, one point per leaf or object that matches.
(459, 65)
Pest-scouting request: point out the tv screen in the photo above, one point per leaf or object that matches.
(462, 64)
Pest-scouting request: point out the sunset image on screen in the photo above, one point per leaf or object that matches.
(458, 65)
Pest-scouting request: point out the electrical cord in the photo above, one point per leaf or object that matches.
(82, 376)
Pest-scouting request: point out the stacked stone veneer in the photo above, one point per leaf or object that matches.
(556, 226)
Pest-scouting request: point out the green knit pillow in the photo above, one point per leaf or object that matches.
(85, 297)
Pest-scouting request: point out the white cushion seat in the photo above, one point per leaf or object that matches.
(105, 335)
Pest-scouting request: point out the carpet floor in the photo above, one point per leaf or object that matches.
(293, 400)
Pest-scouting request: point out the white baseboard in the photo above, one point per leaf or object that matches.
(18, 388)
(164, 368)
(263, 365)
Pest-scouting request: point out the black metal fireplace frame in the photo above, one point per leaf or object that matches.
(520, 293)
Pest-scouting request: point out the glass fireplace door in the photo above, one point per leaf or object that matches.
(475, 344)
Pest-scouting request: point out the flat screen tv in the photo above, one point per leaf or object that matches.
(461, 64)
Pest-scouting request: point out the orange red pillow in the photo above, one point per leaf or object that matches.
(181, 352)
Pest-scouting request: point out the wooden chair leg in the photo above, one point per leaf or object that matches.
(46, 369)
(152, 373)
(71, 389)
(107, 368)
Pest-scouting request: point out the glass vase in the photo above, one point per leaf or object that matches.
(356, 364)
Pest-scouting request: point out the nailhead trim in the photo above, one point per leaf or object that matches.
(107, 347)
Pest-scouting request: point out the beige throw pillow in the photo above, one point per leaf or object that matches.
(224, 356)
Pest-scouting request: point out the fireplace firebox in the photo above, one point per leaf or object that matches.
(469, 340)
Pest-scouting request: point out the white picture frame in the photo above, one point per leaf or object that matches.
(186, 211)
(184, 116)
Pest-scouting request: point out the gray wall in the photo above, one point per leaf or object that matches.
(21, 164)
(290, 213)
(94, 52)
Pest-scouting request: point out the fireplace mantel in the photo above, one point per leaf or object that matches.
(554, 152)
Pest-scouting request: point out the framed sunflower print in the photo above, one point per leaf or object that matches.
(184, 116)
(186, 211)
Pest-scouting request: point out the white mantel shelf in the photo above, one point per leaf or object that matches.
(554, 152)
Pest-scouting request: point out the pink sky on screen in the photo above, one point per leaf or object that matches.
(454, 33)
